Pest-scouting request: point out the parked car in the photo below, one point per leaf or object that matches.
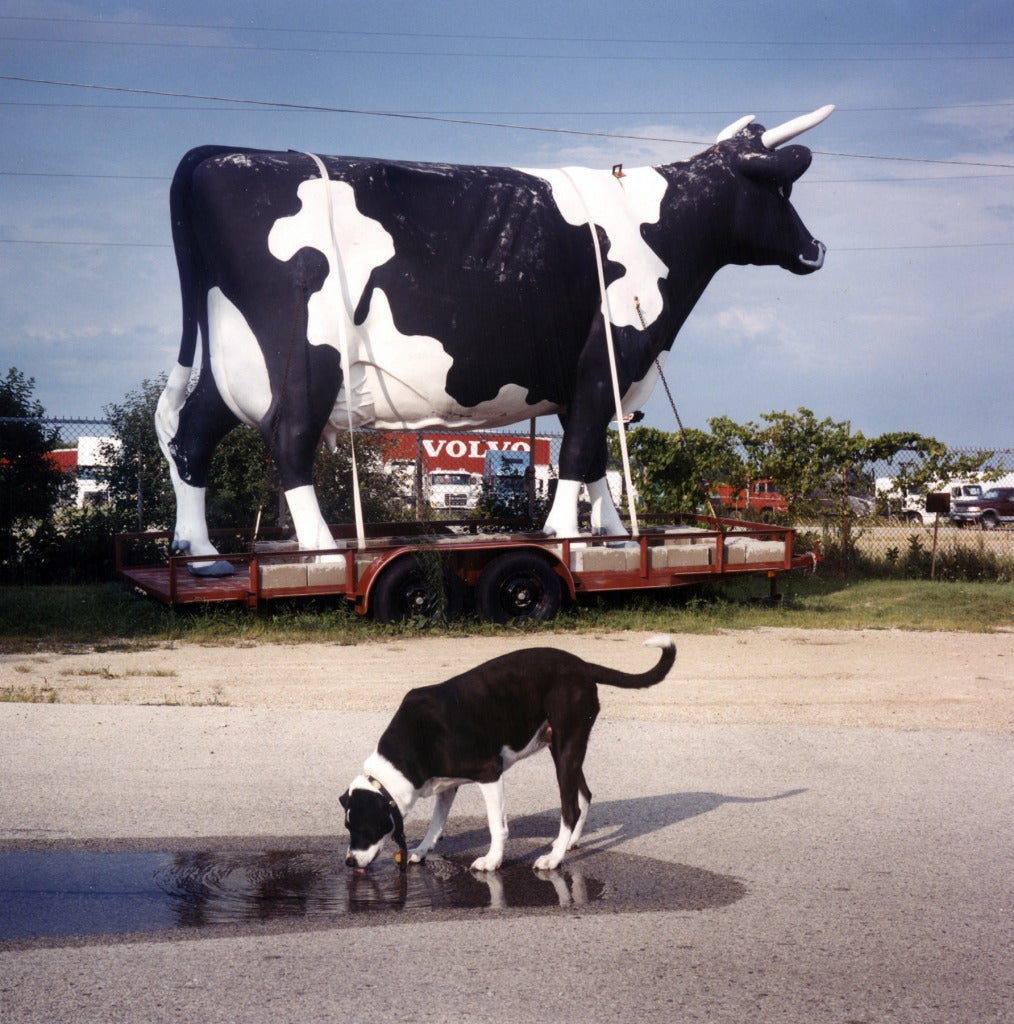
(761, 499)
(995, 506)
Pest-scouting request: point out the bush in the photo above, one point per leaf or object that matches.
(73, 546)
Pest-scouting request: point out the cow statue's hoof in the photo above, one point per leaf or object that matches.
(219, 568)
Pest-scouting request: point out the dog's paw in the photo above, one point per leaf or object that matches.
(547, 862)
(487, 863)
(417, 858)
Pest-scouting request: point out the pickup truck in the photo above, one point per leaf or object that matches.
(993, 507)
(761, 496)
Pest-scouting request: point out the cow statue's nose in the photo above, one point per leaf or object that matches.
(813, 258)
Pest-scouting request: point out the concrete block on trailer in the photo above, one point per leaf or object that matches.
(765, 551)
(684, 535)
(603, 559)
(326, 574)
(748, 550)
(282, 574)
(658, 558)
(681, 555)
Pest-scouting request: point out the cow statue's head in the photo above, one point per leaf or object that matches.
(765, 227)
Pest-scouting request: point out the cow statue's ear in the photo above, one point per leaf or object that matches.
(344, 800)
(780, 166)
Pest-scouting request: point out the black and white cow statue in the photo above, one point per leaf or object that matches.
(332, 292)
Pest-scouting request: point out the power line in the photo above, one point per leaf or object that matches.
(462, 121)
(81, 243)
(73, 175)
(613, 40)
(480, 55)
(269, 108)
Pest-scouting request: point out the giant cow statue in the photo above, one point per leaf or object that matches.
(338, 292)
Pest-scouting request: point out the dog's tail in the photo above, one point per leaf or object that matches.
(639, 681)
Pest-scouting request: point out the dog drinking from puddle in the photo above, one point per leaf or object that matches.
(472, 728)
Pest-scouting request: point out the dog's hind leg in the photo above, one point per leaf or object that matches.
(441, 809)
(575, 798)
(496, 813)
(584, 802)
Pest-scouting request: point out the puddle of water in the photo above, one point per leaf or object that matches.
(54, 894)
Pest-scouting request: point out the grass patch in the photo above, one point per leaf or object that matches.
(214, 701)
(107, 617)
(28, 695)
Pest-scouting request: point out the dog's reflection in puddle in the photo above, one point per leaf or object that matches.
(442, 883)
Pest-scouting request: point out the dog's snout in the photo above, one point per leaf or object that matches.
(350, 861)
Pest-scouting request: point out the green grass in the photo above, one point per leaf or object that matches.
(108, 617)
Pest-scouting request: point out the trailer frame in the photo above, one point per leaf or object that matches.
(682, 551)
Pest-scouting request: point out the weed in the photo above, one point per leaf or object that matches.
(28, 695)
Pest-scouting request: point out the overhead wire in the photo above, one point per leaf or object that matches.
(362, 112)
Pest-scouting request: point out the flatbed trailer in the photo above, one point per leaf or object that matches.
(440, 568)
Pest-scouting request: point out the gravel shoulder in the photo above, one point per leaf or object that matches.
(864, 678)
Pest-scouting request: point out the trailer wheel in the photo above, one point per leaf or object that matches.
(417, 587)
(518, 587)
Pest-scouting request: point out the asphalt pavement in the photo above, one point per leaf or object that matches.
(860, 875)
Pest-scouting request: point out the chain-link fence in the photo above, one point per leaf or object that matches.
(885, 522)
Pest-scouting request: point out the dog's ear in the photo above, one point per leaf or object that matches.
(344, 800)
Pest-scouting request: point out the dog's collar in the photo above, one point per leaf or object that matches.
(401, 857)
(382, 790)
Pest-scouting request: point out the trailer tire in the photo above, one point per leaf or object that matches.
(411, 589)
(518, 587)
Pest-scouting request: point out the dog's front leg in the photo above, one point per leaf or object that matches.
(496, 814)
(441, 809)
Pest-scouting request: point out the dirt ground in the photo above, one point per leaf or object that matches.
(868, 678)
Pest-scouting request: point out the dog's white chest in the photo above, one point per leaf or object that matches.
(434, 786)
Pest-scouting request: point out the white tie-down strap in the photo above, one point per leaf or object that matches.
(343, 346)
(607, 317)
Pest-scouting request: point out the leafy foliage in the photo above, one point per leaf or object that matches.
(243, 486)
(31, 483)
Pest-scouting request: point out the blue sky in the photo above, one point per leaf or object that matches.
(907, 327)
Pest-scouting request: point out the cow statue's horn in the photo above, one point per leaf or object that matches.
(774, 137)
(734, 128)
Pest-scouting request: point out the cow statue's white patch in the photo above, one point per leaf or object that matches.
(406, 376)
(363, 245)
(620, 206)
(237, 360)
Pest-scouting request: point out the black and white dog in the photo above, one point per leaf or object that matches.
(472, 728)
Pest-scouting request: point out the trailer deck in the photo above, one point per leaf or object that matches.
(509, 576)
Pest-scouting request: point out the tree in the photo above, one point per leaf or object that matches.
(140, 490)
(31, 483)
(824, 468)
(673, 472)
(243, 484)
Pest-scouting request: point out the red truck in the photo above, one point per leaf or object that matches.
(760, 497)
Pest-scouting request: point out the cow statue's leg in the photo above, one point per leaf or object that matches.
(293, 441)
(311, 529)
(604, 517)
(584, 453)
(562, 518)
(188, 429)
